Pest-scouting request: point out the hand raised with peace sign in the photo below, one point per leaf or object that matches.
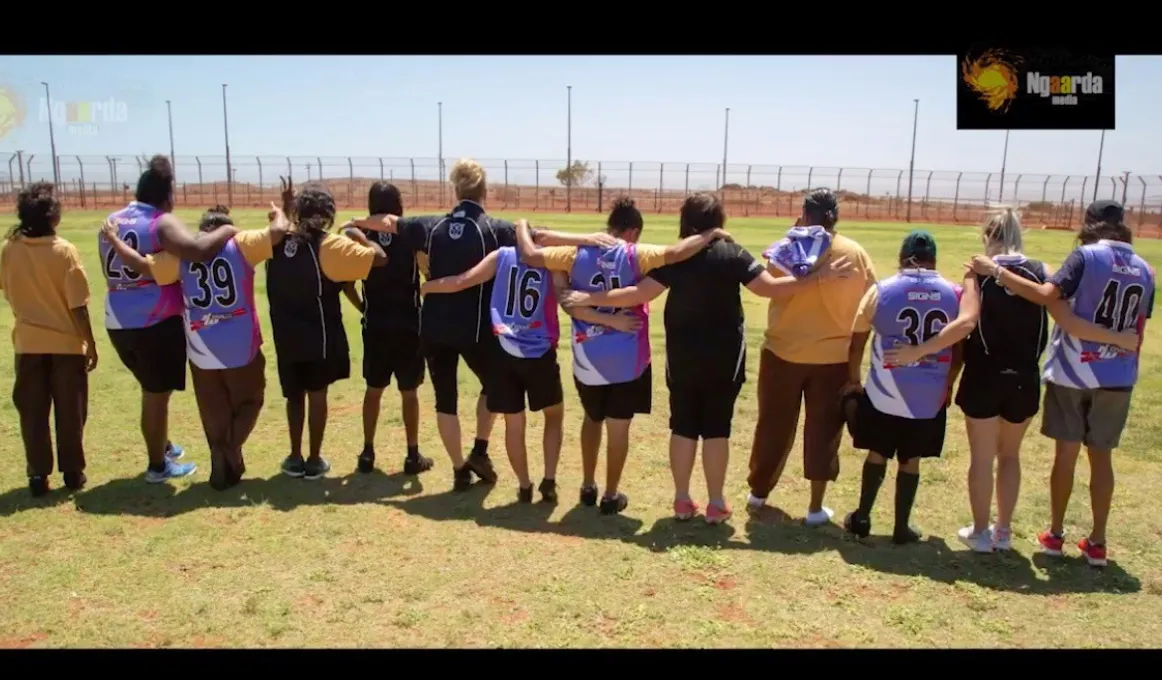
(288, 196)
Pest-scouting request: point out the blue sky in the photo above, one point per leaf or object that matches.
(793, 111)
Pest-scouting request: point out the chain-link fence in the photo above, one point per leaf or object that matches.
(1055, 201)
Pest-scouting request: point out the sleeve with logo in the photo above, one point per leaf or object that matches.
(342, 259)
(255, 245)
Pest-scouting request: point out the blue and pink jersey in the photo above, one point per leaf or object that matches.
(602, 355)
(222, 326)
(1109, 284)
(523, 307)
(799, 251)
(913, 306)
(135, 300)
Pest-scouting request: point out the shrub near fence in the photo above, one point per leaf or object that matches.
(1053, 201)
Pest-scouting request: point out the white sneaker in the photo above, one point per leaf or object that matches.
(815, 519)
(981, 542)
(1002, 538)
(754, 504)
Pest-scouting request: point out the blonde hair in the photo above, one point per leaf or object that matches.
(1002, 232)
(469, 180)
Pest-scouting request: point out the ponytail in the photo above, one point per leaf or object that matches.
(1002, 231)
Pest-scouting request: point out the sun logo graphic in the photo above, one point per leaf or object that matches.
(993, 77)
(12, 111)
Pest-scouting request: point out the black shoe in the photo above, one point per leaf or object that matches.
(366, 460)
(316, 468)
(525, 494)
(548, 489)
(75, 481)
(38, 486)
(857, 526)
(417, 464)
(294, 467)
(614, 505)
(481, 464)
(905, 536)
(589, 495)
(462, 478)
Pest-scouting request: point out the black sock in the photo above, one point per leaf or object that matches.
(906, 485)
(368, 446)
(157, 467)
(873, 477)
(413, 452)
(480, 447)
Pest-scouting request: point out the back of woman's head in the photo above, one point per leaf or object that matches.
(1002, 233)
(821, 208)
(384, 198)
(700, 213)
(314, 209)
(38, 210)
(156, 185)
(1104, 220)
(469, 180)
(624, 216)
(215, 217)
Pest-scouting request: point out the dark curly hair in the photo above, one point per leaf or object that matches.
(314, 209)
(38, 209)
(821, 207)
(624, 216)
(156, 185)
(215, 217)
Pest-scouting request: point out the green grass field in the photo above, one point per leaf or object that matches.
(382, 560)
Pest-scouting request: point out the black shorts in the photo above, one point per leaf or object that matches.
(300, 377)
(621, 401)
(443, 367)
(511, 378)
(892, 436)
(388, 352)
(702, 410)
(155, 355)
(988, 393)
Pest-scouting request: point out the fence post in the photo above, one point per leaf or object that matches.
(1017, 193)
(1125, 183)
(289, 169)
(506, 184)
(661, 177)
(600, 187)
(927, 189)
(1045, 187)
(29, 161)
(778, 184)
(20, 164)
(867, 206)
(1142, 205)
(956, 196)
(12, 177)
(537, 186)
(415, 191)
(261, 189)
(988, 180)
(1114, 187)
(1084, 183)
(81, 165)
(350, 182)
(380, 168)
(319, 160)
(810, 171)
(686, 191)
(1061, 203)
(747, 191)
(631, 178)
(899, 180)
(839, 180)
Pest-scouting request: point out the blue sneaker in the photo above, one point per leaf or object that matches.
(172, 471)
(173, 451)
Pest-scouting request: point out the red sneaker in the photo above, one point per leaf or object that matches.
(1094, 554)
(685, 509)
(1051, 544)
(717, 515)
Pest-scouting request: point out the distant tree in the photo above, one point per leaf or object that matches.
(576, 174)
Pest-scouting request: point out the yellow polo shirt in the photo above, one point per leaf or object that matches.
(814, 325)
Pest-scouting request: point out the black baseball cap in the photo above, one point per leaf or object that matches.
(919, 245)
(1105, 211)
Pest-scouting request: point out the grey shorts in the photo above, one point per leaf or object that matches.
(1095, 417)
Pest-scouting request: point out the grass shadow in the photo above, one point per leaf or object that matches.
(1008, 571)
(19, 500)
(132, 496)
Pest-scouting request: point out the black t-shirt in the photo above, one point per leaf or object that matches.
(391, 293)
(305, 315)
(1012, 332)
(705, 326)
(455, 243)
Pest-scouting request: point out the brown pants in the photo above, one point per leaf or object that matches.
(782, 387)
(229, 401)
(59, 382)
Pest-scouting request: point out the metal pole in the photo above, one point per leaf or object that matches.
(226, 129)
(56, 178)
(725, 142)
(912, 163)
(1100, 149)
(173, 160)
(1004, 159)
(569, 151)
